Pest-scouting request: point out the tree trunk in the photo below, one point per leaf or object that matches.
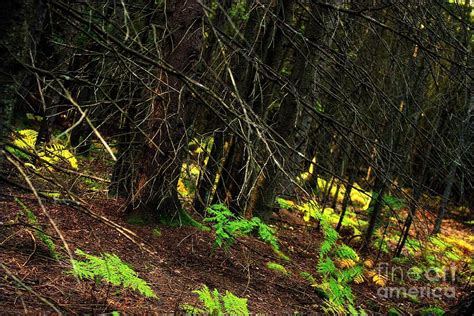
(445, 198)
(376, 205)
(155, 190)
(208, 176)
(293, 126)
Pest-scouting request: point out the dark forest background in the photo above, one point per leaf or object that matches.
(197, 103)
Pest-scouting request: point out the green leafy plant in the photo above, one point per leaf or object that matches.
(339, 265)
(432, 311)
(228, 227)
(216, 304)
(39, 232)
(110, 268)
(394, 202)
(93, 185)
(240, 11)
(54, 153)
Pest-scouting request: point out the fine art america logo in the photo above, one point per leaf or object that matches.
(433, 275)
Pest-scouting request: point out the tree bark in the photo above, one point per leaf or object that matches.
(155, 190)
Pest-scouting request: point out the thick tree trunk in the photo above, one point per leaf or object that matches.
(155, 193)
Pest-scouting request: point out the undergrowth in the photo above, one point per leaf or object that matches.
(217, 304)
(38, 230)
(110, 268)
(339, 265)
(228, 227)
(432, 311)
(52, 153)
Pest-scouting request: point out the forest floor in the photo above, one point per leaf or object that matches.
(181, 260)
(184, 260)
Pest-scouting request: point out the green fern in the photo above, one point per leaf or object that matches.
(216, 304)
(335, 280)
(346, 252)
(437, 311)
(210, 300)
(330, 236)
(234, 305)
(349, 274)
(228, 227)
(326, 266)
(110, 268)
(33, 221)
(338, 263)
(53, 153)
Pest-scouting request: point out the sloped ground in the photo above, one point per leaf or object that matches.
(183, 261)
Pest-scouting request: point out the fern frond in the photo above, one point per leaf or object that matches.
(210, 300)
(227, 227)
(326, 246)
(111, 268)
(369, 263)
(332, 308)
(234, 305)
(326, 267)
(39, 232)
(351, 273)
(345, 263)
(216, 304)
(359, 279)
(346, 252)
(379, 279)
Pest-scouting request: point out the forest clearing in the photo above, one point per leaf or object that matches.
(236, 157)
